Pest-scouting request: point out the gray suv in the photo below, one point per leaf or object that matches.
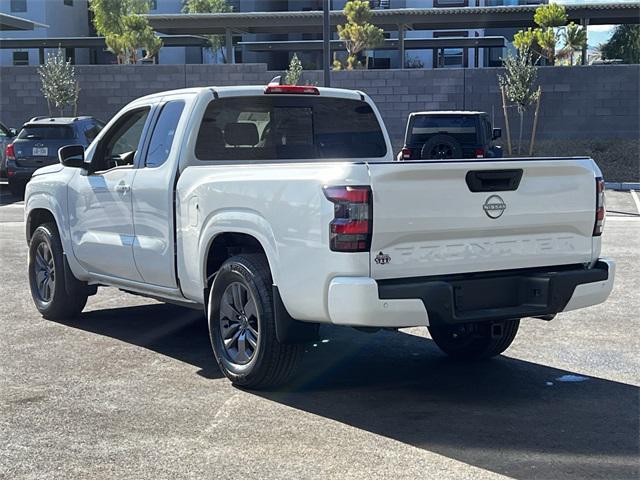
(38, 142)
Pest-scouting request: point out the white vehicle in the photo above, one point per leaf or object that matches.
(281, 208)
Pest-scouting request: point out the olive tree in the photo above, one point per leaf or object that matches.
(59, 85)
(518, 85)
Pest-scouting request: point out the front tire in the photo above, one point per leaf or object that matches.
(47, 281)
(242, 325)
(475, 341)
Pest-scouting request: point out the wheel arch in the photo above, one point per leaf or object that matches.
(41, 207)
(224, 245)
(37, 217)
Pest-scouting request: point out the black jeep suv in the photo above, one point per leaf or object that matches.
(38, 142)
(449, 135)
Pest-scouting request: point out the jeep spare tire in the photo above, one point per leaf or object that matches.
(441, 147)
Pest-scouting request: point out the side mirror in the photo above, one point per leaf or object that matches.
(497, 133)
(72, 156)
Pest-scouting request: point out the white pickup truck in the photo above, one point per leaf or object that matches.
(281, 208)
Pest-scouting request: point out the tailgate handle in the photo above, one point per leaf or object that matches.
(494, 180)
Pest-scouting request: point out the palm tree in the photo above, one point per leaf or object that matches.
(575, 38)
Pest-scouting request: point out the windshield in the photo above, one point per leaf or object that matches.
(462, 127)
(46, 132)
(288, 127)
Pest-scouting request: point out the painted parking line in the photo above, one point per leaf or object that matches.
(634, 195)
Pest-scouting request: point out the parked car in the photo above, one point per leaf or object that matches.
(6, 136)
(447, 135)
(38, 142)
(278, 209)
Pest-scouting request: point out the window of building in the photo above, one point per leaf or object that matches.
(450, 57)
(153, 4)
(21, 58)
(68, 3)
(164, 133)
(450, 3)
(289, 127)
(18, 5)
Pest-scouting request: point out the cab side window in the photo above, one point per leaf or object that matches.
(121, 143)
(164, 133)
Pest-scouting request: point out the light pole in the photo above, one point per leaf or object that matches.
(326, 42)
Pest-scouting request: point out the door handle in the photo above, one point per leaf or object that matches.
(122, 188)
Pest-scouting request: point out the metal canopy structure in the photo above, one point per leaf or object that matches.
(389, 44)
(409, 18)
(9, 22)
(94, 42)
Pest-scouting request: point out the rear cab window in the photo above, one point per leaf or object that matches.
(289, 127)
(46, 132)
(423, 127)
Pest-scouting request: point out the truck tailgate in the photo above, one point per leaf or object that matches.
(428, 221)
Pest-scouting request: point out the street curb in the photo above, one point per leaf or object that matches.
(622, 186)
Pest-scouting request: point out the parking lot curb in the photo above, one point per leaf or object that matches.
(626, 186)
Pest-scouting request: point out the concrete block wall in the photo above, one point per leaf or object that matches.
(578, 102)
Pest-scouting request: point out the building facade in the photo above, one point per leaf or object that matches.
(65, 18)
(72, 18)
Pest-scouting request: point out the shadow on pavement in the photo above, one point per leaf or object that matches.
(176, 332)
(505, 415)
(500, 415)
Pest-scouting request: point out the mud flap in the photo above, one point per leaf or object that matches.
(289, 330)
(73, 286)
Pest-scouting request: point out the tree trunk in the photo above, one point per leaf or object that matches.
(506, 120)
(535, 123)
(521, 113)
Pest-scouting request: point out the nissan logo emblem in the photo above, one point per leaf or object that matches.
(494, 206)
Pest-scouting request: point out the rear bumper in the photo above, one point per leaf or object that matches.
(468, 298)
(16, 173)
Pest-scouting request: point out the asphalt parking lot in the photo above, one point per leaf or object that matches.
(130, 390)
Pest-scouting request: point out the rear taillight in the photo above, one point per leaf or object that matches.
(479, 152)
(292, 89)
(406, 154)
(600, 209)
(9, 152)
(351, 227)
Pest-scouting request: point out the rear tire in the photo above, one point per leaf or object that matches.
(53, 297)
(475, 341)
(242, 325)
